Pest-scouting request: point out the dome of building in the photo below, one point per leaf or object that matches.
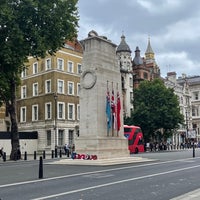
(123, 46)
(137, 60)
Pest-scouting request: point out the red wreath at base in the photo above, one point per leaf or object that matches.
(85, 157)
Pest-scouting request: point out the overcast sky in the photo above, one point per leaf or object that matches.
(172, 25)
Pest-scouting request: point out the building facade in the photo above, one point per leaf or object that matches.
(124, 58)
(193, 111)
(183, 92)
(135, 70)
(48, 98)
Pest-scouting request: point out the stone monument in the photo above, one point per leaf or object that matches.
(100, 75)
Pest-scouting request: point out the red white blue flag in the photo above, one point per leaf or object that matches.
(113, 107)
(118, 112)
(108, 111)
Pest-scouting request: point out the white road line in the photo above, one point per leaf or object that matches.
(114, 183)
(85, 173)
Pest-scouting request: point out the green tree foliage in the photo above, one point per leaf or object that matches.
(156, 109)
(30, 28)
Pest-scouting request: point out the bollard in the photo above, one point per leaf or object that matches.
(34, 155)
(60, 153)
(44, 155)
(56, 153)
(68, 153)
(193, 150)
(41, 168)
(4, 156)
(52, 154)
(25, 155)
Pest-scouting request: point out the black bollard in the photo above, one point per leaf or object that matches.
(4, 156)
(25, 155)
(193, 150)
(60, 153)
(34, 155)
(44, 155)
(56, 153)
(52, 154)
(41, 168)
(68, 153)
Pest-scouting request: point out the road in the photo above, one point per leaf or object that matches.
(171, 175)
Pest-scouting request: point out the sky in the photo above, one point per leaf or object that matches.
(173, 27)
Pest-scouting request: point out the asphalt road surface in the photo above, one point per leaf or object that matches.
(170, 175)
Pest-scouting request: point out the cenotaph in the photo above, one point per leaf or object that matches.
(100, 75)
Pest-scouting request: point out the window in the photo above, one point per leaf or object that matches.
(131, 82)
(79, 70)
(196, 95)
(48, 63)
(34, 112)
(145, 75)
(23, 92)
(23, 74)
(70, 111)
(35, 89)
(47, 86)
(71, 137)
(60, 137)
(70, 67)
(70, 88)
(23, 114)
(78, 89)
(181, 100)
(48, 137)
(35, 68)
(61, 111)
(60, 64)
(61, 86)
(131, 97)
(47, 110)
(78, 112)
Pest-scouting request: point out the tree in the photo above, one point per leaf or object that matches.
(30, 28)
(156, 109)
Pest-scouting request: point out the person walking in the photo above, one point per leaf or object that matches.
(1, 152)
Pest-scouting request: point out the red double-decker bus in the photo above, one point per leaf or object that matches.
(135, 138)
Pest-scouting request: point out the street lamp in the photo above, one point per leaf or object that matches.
(55, 120)
(186, 119)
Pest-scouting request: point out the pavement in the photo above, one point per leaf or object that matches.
(194, 195)
(102, 162)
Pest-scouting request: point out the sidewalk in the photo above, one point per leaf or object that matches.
(194, 195)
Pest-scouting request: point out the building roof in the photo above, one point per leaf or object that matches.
(137, 60)
(149, 49)
(73, 45)
(123, 46)
(191, 80)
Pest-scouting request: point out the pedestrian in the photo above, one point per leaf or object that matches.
(73, 147)
(1, 152)
(73, 153)
(151, 147)
(18, 153)
(67, 150)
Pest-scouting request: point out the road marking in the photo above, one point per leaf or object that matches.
(94, 172)
(114, 183)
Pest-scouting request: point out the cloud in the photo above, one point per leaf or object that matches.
(159, 6)
(178, 62)
(173, 27)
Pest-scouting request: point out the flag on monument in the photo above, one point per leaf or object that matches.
(113, 107)
(108, 110)
(118, 112)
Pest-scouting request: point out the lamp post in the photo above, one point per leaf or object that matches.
(186, 116)
(55, 121)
